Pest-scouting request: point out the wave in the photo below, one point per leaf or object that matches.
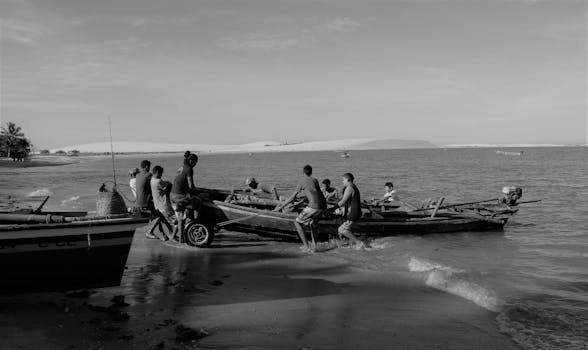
(544, 324)
(69, 200)
(455, 281)
(40, 192)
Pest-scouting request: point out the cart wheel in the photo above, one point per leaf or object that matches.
(198, 235)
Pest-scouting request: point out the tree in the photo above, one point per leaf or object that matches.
(44, 152)
(14, 141)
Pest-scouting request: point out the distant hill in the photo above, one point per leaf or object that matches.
(265, 146)
(392, 144)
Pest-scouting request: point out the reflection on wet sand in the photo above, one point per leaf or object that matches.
(246, 292)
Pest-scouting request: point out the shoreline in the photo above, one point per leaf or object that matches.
(38, 161)
(247, 293)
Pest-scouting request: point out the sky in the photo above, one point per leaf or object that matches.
(231, 72)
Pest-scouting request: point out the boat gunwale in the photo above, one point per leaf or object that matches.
(73, 224)
(240, 209)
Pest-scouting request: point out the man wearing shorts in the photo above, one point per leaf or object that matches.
(309, 187)
(351, 202)
(183, 193)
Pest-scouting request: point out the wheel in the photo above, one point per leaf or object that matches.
(198, 235)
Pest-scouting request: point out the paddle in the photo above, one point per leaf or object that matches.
(533, 201)
(457, 204)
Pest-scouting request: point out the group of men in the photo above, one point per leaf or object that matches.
(317, 203)
(316, 199)
(169, 202)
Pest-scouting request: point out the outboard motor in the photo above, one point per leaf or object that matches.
(510, 195)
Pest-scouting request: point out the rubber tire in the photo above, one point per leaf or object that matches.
(198, 235)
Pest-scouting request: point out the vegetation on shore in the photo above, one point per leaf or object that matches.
(13, 143)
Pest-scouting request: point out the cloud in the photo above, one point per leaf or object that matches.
(21, 32)
(150, 21)
(265, 42)
(285, 39)
(345, 25)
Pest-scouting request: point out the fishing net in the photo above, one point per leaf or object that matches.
(110, 202)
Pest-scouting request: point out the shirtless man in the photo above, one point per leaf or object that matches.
(256, 187)
(308, 186)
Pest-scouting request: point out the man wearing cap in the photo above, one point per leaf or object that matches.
(257, 188)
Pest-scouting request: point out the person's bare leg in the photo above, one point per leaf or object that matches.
(345, 231)
(350, 236)
(301, 233)
(154, 224)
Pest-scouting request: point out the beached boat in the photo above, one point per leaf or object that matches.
(257, 216)
(47, 251)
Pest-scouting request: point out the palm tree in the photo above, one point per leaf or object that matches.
(12, 135)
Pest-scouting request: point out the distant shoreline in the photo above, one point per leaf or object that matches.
(37, 161)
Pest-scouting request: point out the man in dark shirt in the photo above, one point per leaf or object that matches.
(309, 187)
(183, 193)
(351, 202)
(143, 183)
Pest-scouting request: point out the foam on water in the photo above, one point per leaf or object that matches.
(455, 281)
(41, 192)
(69, 201)
(545, 324)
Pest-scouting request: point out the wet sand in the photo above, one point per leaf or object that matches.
(245, 293)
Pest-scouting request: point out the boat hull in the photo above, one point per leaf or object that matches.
(268, 222)
(54, 257)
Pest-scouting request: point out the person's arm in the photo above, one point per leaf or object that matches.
(346, 196)
(164, 186)
(190, 178)
(385, 197)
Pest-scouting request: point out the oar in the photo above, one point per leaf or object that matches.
(458, 204)
(533, 201)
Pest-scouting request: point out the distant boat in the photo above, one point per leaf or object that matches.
(509, 153)
(345, 155)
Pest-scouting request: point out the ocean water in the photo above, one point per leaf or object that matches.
(534, 274)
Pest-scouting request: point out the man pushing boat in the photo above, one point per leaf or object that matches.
(351, 203)
(309, 186)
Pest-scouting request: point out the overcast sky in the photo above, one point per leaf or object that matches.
(240, 71)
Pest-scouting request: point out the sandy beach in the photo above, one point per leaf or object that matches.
(245, 293)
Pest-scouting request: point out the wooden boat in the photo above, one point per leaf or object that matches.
(257, 216)
(46, 251)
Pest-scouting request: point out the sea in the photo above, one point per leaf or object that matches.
(533, 274)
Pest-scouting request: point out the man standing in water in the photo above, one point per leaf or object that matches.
(310, 187)
(351, 202)
(183, 192)
(143, 187)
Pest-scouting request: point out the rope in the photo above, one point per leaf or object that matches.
(89, 240)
